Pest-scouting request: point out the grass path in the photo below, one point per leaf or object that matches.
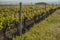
(49, 29)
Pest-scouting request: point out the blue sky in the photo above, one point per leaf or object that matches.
(33, 1)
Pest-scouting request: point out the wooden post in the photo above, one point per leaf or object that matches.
(45, 11)
(20, 22)
(20, 28)
(45, 7)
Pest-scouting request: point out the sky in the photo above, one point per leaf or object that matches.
(32, 1)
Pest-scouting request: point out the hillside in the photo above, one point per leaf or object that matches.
(49, 29)
(41, 3)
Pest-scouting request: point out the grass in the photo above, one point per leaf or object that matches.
(49, 29)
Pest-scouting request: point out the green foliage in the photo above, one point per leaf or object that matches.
(9, 14)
